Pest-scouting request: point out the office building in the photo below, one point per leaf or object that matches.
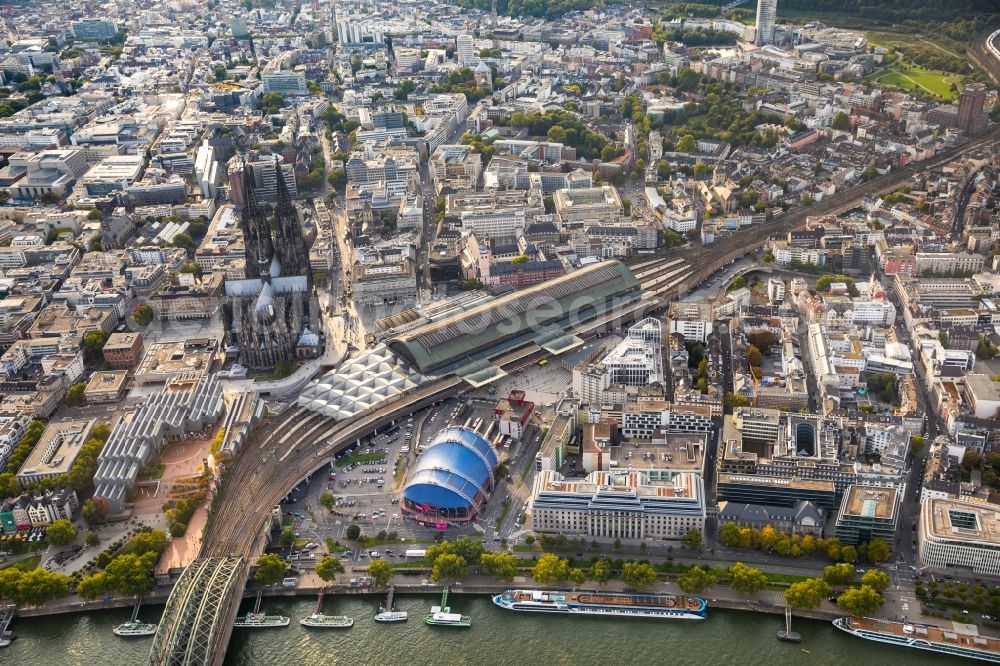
(972, 116)
(766, 12)
(455, 166)
(464, 49)
(776, 491)
(56, 450)
(93, 29)
(618, 505)
(123, 350)
(285, 83)
(866, 513)
(959, 536)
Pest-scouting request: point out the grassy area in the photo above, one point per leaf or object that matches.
(277, 374)
(785, 578)
(919, 80)
(152, 472)
(343, 461)
(334, 546)
(503, 512)
(26, 564)
(287, 521)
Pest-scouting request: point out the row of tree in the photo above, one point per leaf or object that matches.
(32, 588)
(771, 540)
(860, 600)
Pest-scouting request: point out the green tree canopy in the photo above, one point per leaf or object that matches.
(75, 395)
(150, 541)
(93, 344)
(131, 574)
(37, 586)
(696, 579)
(143, 315)
(860, 601)
(502, 566)
(193, 268)
(692, 539)
(600, 571)
(449, 566)
(638, 574)
(93, 586)
(61, 532)
(839, 574)
(381, 572)
(746, 580)
(807, 594)
(878, 580)
(550, 569)
(328, 568)
(471, 550)
(9, 578)
(270, 569)
(878, 551)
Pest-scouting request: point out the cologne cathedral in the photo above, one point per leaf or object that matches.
(271, 315)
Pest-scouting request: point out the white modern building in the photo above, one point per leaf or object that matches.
(504, 222)
(285, 83)
(959, 536)
(464, 49)
(619, 505)
(766, 12)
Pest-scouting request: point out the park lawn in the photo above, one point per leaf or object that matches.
(276, 376)
(784, 578)
(26, 564)
(920, 80)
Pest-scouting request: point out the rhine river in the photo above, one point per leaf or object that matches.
(496, 638)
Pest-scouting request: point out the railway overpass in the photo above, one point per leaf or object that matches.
(198, 619)
(199, 615)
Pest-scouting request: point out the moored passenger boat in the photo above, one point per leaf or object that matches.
(661, 606)
(922, 637)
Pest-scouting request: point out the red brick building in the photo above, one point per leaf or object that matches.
(123, 350)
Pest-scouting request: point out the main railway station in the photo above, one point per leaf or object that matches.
(475, 342)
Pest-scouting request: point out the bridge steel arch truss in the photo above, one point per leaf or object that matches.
(194, 620)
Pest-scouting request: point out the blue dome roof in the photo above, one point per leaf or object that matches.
(456, 466)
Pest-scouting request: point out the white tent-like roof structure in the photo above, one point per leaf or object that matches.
(362, 382)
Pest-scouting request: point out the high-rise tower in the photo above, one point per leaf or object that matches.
(766, 11)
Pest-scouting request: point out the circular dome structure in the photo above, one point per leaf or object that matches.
(450, 479)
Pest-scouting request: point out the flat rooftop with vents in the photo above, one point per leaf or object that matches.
(56, 450)
(164, 360)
